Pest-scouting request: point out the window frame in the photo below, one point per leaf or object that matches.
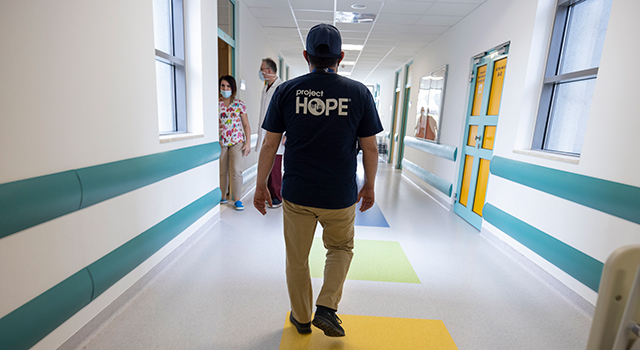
(552, 79)
(176, 60)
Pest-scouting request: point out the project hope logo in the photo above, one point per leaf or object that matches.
(309, 101)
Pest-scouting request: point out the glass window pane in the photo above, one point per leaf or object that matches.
(225, 17)
(162, 25)
(568, 123)
(585, 35)
(164, 85)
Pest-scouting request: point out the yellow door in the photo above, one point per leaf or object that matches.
(479, 134)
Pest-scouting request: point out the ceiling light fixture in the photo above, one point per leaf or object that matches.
(354, 17)
(348, 63)
(358, 7)
(352, 47)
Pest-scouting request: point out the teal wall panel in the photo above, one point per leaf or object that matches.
(579, 265)
(439, 183)
(437, 149)
(115, 265)
(27, 325)
(610, 197)
(105, 181)
(30, 202)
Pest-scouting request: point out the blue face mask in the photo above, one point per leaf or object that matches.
(225, 93)
(260, 75)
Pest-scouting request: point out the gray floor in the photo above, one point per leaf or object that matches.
(228, 290)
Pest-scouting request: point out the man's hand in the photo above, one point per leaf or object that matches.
(368, 197)
(261, 196)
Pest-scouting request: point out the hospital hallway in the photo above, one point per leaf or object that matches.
(421, 278)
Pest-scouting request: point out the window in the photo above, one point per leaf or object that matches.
(572, 69)
(170, 67)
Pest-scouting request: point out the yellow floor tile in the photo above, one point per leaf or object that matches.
(369, 333)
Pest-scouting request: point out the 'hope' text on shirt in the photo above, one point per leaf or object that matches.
(317, 106)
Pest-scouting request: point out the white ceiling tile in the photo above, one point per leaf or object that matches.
(372, 6)
(394, 18)
(465, 1)
(274, 31)
(277, 22)
(404, 7)
(319, 16)
(311, 5)
(392, 28)
(358, 27)
(267, 12)
(263, 3)
(439, 20)
(451, 9)
(429, 29)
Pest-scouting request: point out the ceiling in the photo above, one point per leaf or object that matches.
(400, 29)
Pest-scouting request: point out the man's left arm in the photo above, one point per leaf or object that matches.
(370, 161)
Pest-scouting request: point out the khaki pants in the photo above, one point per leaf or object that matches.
(231, 169)
(299, 227)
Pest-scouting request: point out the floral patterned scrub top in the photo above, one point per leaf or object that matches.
(231, 131)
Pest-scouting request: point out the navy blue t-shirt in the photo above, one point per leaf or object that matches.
(322, 114)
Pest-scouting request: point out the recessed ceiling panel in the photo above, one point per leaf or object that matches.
(277, 22)
(439, 20)
(451, 9)
(394, 18)
(325, 5)
(406, 7)
(268, 12)
(320, 16)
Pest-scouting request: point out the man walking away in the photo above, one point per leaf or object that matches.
(322, 114)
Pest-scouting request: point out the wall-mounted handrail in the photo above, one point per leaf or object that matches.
(30, 202)
(439, 183)
(437, 149)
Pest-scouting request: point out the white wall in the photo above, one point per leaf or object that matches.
(610, 132)
(78, 89)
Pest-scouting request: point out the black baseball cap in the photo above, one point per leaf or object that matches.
(324, 34)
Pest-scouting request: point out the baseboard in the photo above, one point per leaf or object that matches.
(583, 305)
(91, 329)
(428, 190)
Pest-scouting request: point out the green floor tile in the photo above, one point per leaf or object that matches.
(382, 261)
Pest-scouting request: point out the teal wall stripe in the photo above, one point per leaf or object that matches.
(33, 201)
(570, 260)
(610, 197)
(27, 325)
(105, 181)
(30, 202)
(439, 183)
(437, 149)
(115, 265)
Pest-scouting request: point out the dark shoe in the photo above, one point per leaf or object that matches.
(275, 203)
(327, 320)
(303, 328)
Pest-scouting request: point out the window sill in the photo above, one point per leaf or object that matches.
(179, 137)
(549, 155)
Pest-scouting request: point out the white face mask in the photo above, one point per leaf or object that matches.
(225, 93)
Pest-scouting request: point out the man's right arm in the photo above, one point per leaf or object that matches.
(370, 162)
(265, 163)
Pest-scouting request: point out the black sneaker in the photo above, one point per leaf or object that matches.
(303, 328)
(327, 320)
(276, 203)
